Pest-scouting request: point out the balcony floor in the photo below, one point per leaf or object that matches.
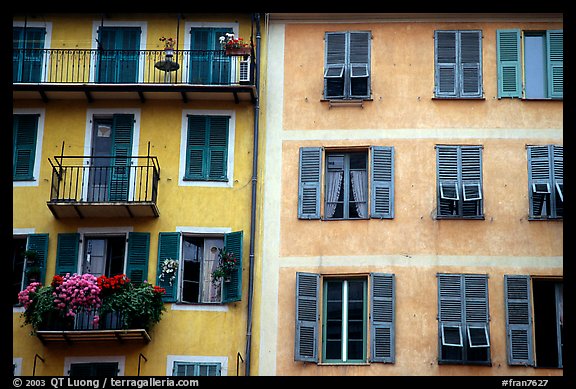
(74, 209)
(139, 335)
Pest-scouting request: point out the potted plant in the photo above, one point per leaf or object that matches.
(168, 270)
(233, 46)
(227, 264)
(169, 44)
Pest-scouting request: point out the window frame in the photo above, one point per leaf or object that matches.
(171, 360)
(34, 180)
(120, 359)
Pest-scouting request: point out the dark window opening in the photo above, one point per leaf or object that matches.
(346, 193)
(548, 322)
(18, 249)
(104, 256)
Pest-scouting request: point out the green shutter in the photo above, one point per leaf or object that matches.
(137, 263)
(207, 148)
(218, 148)
(196, 148)
(508, 63)
(28, 54)
(555, 63)
(382, 317)
(309, 178)
(67, 253)
(518, 320)
(307, 314)
(119, 56)
(382, 182)
(39, 243)
(122, 129)
(208, 64)
(168, 248)
(446, 68)
(24, 138)
(232, 290)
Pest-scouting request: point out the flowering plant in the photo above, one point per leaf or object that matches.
(228, 262)
(38, 303)
(228, 41)
(168, 269)
(77, 292)
(169, 43)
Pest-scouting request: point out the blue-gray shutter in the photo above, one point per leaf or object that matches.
(518, 320)
(508, 63)
(446, 64)
(382, 182)
(382, 317)
(39, 243)
(476, 311)
(470, 49)
(309, 178)
(471, 180)
(359, 64)
(558, 176)
(232, 291)
(138, 252)
(24, 138)
(67, 253)
(447, 169)
(168, 248)
(538, 174)
(122, 129)
(555, 63)
(450, 308)
(307, 314)
(335, 65)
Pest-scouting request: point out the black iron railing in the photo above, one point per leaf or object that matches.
(94, 66)
(84, 320)
(104, 179)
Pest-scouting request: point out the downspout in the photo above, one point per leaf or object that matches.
(256, 18)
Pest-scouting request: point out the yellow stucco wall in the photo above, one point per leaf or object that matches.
(201, 332)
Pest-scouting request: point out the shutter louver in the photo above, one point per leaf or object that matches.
(446, 63)
(25, 130)
(447, 172)
(382, 185)
(538, 176)
(218, 147)
(382, 317)
(359, 64)
(334, 68)
(196, 147)
(518, 320)
(471, 174)
(471, 63)
(306, 338)
(138, 251)
(309, 179)
(232, 291)
(555, 54)
(122, 128)
(508, 59)
(67, 253)
(168, 248)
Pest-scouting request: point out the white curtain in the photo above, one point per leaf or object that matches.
(333, 184)
(210, 291)
(359, 184)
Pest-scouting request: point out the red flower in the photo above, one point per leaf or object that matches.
(56, 281)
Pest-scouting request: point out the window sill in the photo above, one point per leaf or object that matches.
(203, 180)
(438, 217)
(457, 98)
(343, 364)
(213, 307)
(465, 363)
(551, 219)
(349, 219)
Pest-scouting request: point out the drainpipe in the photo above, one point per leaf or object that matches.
(256, 18)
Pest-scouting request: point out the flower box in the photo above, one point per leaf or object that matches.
(238, 51)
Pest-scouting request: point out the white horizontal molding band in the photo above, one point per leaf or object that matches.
(421, 261)
(423, 133)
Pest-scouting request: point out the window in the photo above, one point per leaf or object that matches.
(463, 330)
(347, 65)
(118, 54)
(208, 63)
(196, 369)
(27, 54)
(104, 254)
(24, 139)
(198, 258)
(546, 182)
(94, 369)
(20, 266)
(530, 64)
(534, 324)
(346, 191)
(459, 181)
(458, 64)
(345, 320)
(207, 148)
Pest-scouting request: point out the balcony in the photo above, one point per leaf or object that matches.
(81, 328)
(104, 186)
(96, 74)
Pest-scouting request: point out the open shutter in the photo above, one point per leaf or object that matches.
(309, 178)
(122, 128)
(558, 179)
(168, 248)
(476, 309)
(24, 137)
(508, 63)
(450, 310)
(232, 291)
(448, 189)
(335, 65)
(218, 147)
(470, 63)
(39, 243)
(382, 182)
(539, 179)
(446, 70)
(307, 309)
(67, 253)
(555, 63)
(518, 320)
(471, 179)
(359, 64)
(138, 252)
(382, 317)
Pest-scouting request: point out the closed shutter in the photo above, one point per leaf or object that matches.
(196, 150)
(476, 310)
(122, 129)
(382, 182)
(207, 148)
(138, 250)
(382, 317)
(450, 310)
(359, 67)
(168, 248)
(446, 63)
(232, 291)
(335, 65)
(518, 320)
(218, 147)
(39, 243)
(24, 138)
(307, 307)
(119, 54)
(470, 63)
(555, 63)
(28, 54)
(448, 188)
(471, 175)
(508, 63)
(539, 180)
(67, 253)
(309, 178)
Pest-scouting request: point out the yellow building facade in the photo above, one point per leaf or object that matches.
(412, 221)
(127, 154)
